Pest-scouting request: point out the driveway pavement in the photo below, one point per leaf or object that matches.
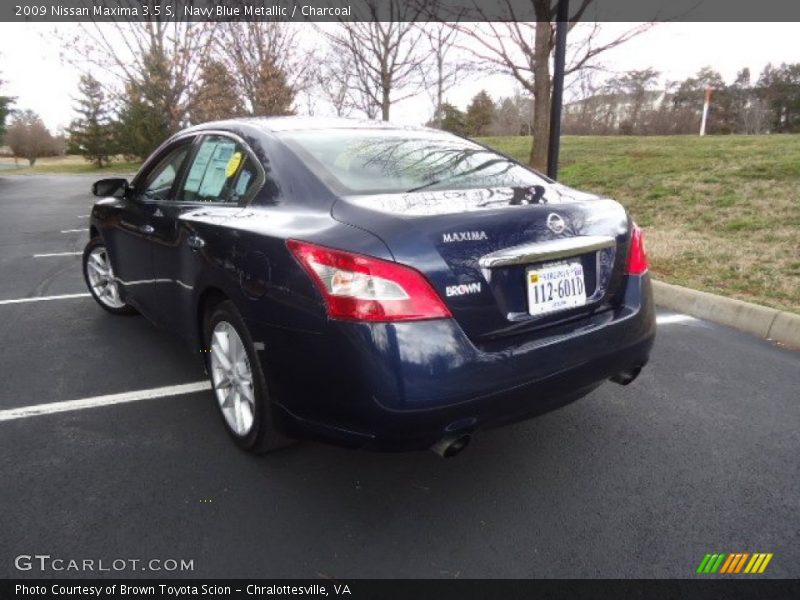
(699, 455)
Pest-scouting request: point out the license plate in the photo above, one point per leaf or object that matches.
(555, 286)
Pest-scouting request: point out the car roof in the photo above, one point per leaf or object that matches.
(285, 124)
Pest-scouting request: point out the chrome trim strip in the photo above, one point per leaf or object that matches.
(549, 250)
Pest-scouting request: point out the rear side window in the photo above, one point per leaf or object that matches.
(221, 171)
(371, 161)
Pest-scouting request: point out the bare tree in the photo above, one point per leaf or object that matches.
(524, 104)
(28, 137)
(523, 49)
(160, 58)
(364, 102)
(751, 113)
(582, 115)
(269, 70)
(447, 69)
(632, 89)
(386, 56)
(333, 82)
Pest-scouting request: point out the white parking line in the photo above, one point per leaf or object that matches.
(83, 216)
(74, 230)
(669, 319)
(44, 298)
(70, 405)
(57, 254)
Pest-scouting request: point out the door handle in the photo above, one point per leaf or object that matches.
(148, 229)
(195, 242)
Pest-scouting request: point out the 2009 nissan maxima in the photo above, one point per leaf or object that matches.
(372, 285)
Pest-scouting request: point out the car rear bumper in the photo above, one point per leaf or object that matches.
(406, 385)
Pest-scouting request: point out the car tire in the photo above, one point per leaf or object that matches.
(99, 278)
(238, 382)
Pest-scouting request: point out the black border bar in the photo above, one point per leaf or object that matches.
(393, 10)
(733, 588)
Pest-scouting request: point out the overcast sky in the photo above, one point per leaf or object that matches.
(32, 69)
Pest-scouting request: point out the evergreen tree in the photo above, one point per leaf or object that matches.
(691, 92)
(150, 110)
(91, 134)
(5, 110)
(274, 96)
(507, 120)
(480, 114)
(450, 118)
(140, 126)
(780, 89)
(217, 95)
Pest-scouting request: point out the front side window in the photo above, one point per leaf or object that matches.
(372, 161)
(158, 183)
(221, 171)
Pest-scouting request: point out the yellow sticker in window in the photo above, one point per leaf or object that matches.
(233, 164)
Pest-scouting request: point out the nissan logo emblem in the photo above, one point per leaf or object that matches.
(555, 223)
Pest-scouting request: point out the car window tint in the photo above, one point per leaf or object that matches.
(159, 181)
(371, 161)
(221, 171)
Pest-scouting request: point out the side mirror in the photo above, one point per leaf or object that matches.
(114, 186)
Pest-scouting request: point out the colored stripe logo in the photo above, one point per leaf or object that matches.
(735, 563)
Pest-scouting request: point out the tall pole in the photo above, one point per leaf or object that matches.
(557, 97)
(706, 104)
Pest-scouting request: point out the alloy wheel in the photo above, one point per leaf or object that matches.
(232, 378)
(101, 278)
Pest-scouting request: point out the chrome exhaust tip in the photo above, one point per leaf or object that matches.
(451, 445)
(627, 376)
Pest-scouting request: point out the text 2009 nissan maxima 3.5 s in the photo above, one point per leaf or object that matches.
(372, 285)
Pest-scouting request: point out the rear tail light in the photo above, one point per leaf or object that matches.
(637, 257)
(363, 288)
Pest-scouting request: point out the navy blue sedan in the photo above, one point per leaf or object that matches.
(371, 285)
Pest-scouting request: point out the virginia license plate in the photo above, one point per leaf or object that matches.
(555, 286)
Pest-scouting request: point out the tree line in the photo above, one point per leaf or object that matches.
(635, 103)
(158, 77)
(512, 115)
(144, 81)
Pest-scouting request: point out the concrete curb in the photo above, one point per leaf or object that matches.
(766, 323)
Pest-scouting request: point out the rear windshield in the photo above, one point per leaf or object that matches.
(375, 161)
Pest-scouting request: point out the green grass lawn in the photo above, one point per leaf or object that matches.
(64, 165)
(720, 213)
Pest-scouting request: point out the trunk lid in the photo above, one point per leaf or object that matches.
(476, 246)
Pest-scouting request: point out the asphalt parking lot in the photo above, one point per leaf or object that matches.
(699, 455)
